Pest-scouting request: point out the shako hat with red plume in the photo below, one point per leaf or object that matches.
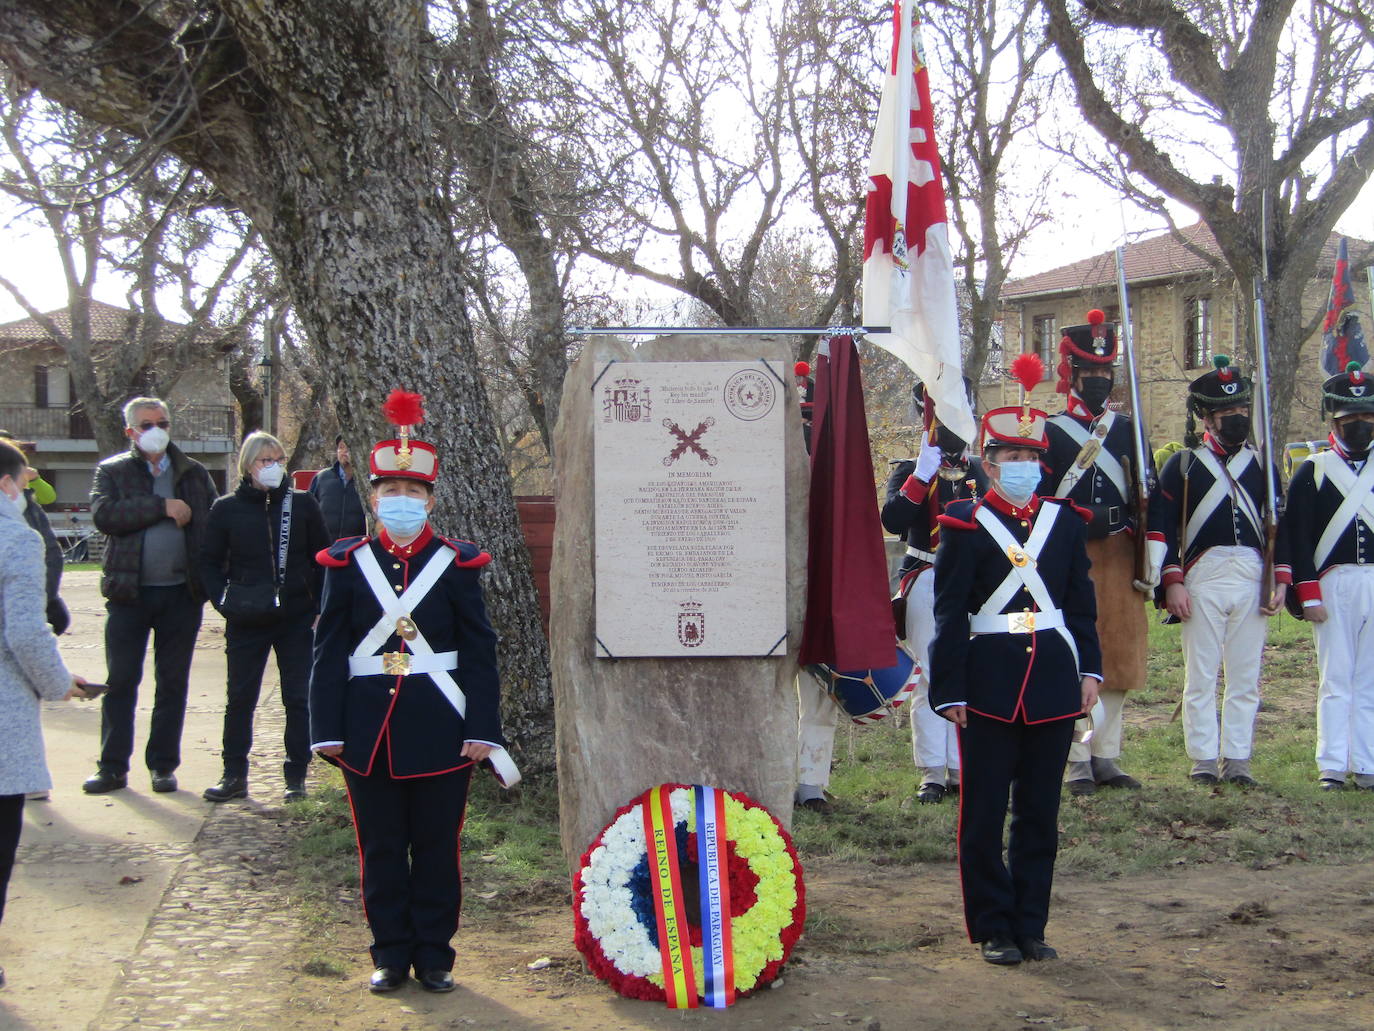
(404, 457)
(1092, 345)
(1019, 425)
(1348, 392)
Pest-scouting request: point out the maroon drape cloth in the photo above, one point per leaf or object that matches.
(848, 608)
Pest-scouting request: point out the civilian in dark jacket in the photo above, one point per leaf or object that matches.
(58, 616)
(243, 547)
(152, 503)
(337, 493)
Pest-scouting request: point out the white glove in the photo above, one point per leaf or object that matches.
(1154, 563)
(928, 461)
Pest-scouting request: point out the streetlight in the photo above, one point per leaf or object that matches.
(265, 374)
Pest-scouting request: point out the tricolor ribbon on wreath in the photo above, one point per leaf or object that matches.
(670, 908)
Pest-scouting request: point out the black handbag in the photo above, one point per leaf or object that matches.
(250, 603)
(258, 604)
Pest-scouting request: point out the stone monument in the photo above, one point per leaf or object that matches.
(678, 577)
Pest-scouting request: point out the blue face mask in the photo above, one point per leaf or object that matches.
(1018, 480)
(402, 515)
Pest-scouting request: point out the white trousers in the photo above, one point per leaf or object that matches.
(1345, 700)
(1106, 740)
(934, 739)
(1226, 631)
(816, 713)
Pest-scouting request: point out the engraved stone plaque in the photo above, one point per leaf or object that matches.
(690, 505)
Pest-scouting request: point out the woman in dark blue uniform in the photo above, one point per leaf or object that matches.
(405, 699)
(1014, 662)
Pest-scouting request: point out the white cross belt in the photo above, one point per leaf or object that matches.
(438, 665)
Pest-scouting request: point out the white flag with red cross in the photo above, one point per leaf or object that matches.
(908, 265)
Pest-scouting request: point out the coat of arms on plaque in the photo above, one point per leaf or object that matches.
(749, 395)
(691, 625)
(626, 400)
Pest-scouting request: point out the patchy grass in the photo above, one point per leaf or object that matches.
(1172, 822)
(513, 865)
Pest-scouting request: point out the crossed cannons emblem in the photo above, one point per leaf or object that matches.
(689, 441)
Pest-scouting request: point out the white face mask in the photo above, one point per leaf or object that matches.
(270, 476)
(154, 441)
(18, 502)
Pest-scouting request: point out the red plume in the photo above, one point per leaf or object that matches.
(802, 369)
(1096, 317)
(402, 409)
(1028, 370)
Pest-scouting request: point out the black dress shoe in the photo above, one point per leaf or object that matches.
(436, 981)
(295, 789)
(1000, 951)
(227, 788)
(1081, 788)
(164, 781)
(822, 806)
(1035, 948)
(1332, 784)
(386, 979)
(1207, 779)
(930, 794)
(1242, 780)
(103, 781)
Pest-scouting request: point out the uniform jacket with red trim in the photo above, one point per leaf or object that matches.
(913, 507)
(1111, 511)
(1029, 678)
(1311, 506)
(1226, 526)
(403, 725)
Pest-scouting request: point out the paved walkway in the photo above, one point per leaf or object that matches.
(141, 910)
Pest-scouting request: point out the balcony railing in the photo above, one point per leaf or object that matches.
(191, 422)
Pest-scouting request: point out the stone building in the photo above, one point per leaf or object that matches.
(1184, 310)
(37, 405)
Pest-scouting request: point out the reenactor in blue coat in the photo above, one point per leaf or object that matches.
(1089, 462)
(405, 700)
(1014, 663)
(1208, 511)
(917, 492)
(1330, 530)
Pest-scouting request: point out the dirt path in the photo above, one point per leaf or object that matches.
(1220, 948)
(143, 911)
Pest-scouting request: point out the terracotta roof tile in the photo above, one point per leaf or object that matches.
(1159, 257)
(108, 323)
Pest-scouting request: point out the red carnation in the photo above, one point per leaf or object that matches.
(802, 369)
(1096, 317)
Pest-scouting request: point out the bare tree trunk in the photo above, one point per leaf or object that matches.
(315, 120)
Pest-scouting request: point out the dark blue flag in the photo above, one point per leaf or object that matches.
(1342, 337)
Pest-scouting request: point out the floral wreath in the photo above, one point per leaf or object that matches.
(619, 926)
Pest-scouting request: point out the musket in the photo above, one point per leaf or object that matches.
(1265, 421)
(1140, 467)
